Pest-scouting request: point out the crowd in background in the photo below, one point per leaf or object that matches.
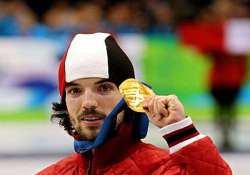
(60, 18)
(64, 17)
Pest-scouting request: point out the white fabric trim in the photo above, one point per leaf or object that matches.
(177, 147)
(176, 126)
(87, 57)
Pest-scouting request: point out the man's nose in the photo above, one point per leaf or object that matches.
(89, 100)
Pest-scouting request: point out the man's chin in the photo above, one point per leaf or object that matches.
(90, 134)
(89, 138)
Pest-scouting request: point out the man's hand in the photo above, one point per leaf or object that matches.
(164, 110)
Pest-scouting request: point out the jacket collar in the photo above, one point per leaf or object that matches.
(115, 148)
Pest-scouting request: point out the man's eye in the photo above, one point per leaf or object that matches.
(105, 88)
(73, 91)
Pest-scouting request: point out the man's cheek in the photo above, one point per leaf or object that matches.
(73, 121)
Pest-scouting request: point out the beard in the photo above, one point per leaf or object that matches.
(88, 123)
(87, 133)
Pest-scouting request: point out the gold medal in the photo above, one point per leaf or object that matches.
(134, 93)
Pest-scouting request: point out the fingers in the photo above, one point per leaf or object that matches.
(155, 108)
(148, 104)
(164, 110)
(160, 106)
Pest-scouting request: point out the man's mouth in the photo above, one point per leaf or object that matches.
(92, 120)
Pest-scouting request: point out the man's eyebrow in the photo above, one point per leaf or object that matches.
(71, 84)
(103, 81)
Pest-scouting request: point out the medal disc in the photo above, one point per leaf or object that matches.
(134, 93)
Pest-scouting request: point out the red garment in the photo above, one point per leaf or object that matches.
(123, 155)
(200, 157)
(206, 37)
(228, 70)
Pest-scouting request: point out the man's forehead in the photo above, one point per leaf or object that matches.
(88, 81)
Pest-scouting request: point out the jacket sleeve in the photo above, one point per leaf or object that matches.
(191, 153)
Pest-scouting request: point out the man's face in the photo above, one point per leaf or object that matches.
(89, 101)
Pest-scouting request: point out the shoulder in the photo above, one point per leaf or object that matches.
(142, 147)
(149, 153)
(68, 164)
(147, 158)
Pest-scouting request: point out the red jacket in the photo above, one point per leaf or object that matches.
(190, 154)
(227, 70)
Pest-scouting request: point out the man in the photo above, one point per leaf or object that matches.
(107, 133)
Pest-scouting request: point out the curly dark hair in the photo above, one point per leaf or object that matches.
(60, 114)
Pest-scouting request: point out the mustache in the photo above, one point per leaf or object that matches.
(93, 112)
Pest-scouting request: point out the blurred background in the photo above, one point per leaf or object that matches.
(198, 50)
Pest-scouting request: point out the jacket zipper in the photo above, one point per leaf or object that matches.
(89, 164)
